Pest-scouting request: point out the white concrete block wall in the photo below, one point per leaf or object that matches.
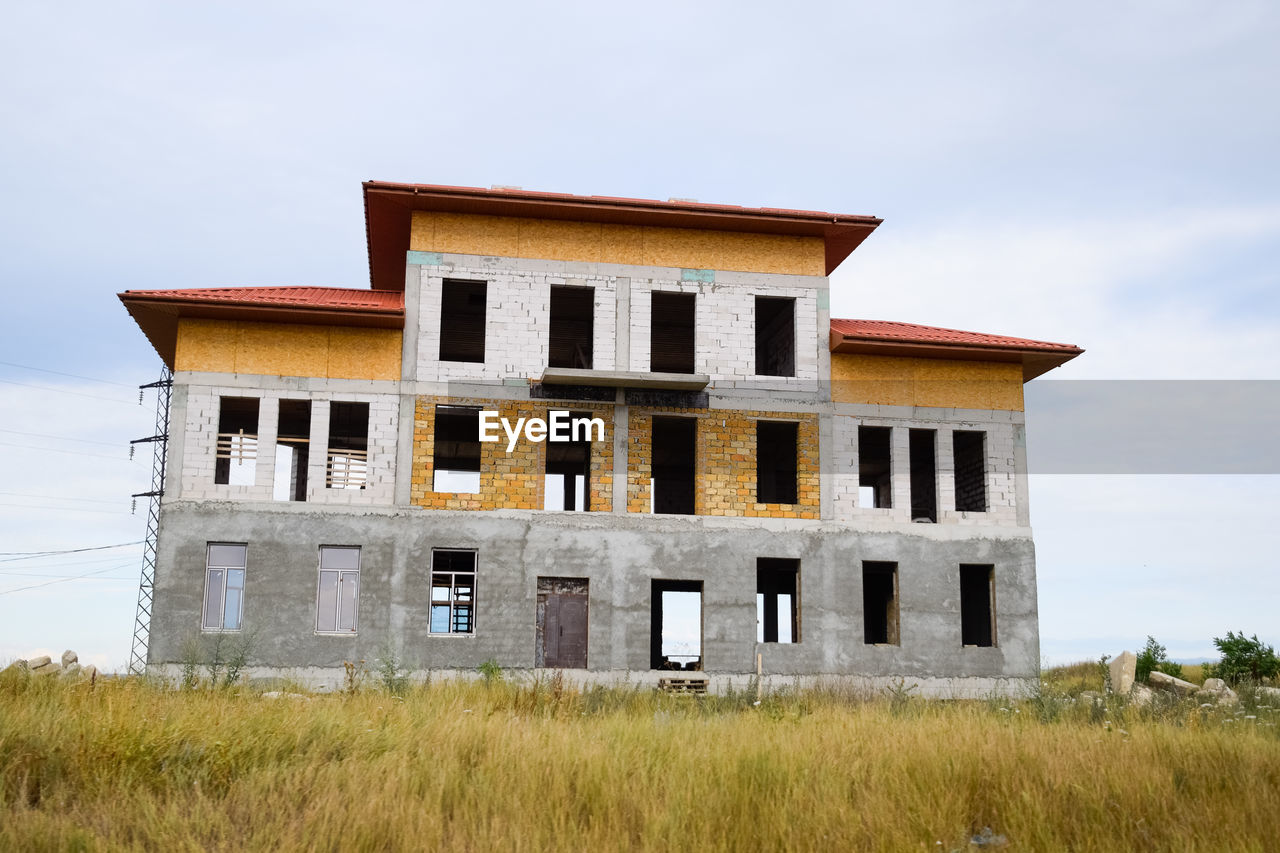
(1001, 471)
(200, 440)
(518, 318)
(517, 322)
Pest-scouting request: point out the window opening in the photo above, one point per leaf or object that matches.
(453, 592)
(293, 438)
(671, 332)
(674, 449)
(462, 321)
(348, 458)
(237, 443)
(338, 594)
(924, 479)
(776, 462)
(456, 453)
(676, 638)
(777, 600)
(875, 468)
(775, 336)
(568, 473)
(224, 587)
(572, 314)
(970, 452)
(880, 603)
(977, 605)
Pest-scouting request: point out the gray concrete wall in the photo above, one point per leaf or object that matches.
(620, 555)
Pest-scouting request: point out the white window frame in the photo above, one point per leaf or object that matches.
(452, 601)
(344, 576)
(209, 568)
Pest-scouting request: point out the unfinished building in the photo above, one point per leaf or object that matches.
(607, 436)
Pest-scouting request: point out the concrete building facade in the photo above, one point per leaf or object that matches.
(761, 487)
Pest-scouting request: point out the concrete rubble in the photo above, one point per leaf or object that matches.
(1123, 671)
(1163, 681)
(68, 667)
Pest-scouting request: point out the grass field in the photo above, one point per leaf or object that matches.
(123, 764)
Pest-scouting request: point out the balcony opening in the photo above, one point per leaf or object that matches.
(236, 459)
(977, 605)
(970, 452)
(777, 600)
(671, 333)
(456, 453)
(674, 449)
(880, 603)
(875, 467)
(348, 462)
(462, 321)
(776, 454)
(293, 438)
(775, 336)
(568, 475)
(572, 314)
(676, 626)
(924, 475)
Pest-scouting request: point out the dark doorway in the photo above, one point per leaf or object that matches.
(572, 312)
(775, 336)
(562, 623)
(776, 461)
(671, 339)
(924, 475)
(674, 448)
(676, 628)
(880, 603)
(977, 605)
(777, 600)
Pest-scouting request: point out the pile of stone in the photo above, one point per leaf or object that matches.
(1124, 672)
(69, 667)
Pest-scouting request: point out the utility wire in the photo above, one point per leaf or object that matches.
(60, 373)
(62, 580)
(79, 563)
(61, 498)
(63, 438)
(57, 450)
(66, 508)
(66, 551)
(65, 391)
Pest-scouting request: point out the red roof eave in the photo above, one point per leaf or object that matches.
(388, 207)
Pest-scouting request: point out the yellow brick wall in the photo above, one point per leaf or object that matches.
(507, 480)
(280, 349)
(505, 236)
(725, 468)
(898, 381)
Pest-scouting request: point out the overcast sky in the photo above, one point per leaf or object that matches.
(1104, 174)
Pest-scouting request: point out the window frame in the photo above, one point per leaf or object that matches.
(209, 568)
(452, 602)
(321, 570)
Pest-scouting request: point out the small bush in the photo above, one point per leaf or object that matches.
(1153, 658)
(1244, 659)
(491, 671)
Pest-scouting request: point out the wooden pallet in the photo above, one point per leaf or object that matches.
(688, 686)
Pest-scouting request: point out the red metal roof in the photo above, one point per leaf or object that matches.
(157, 312)
(889, 330)
(388, 210)
(339, 298)
(886, 337)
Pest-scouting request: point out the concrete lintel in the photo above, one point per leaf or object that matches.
(625, 379)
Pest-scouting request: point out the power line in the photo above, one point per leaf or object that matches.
(63, 437)
(58, 450)
(68, 577)
(66, 551)
(65, 391)
(60, 373)
(61, 498)
(61, 580)
(66, 508)
(78, 563)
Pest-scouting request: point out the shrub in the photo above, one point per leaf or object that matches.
(1153, 657)
(491, 671)
(1244, 659)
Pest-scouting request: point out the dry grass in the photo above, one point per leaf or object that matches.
(469, 767)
